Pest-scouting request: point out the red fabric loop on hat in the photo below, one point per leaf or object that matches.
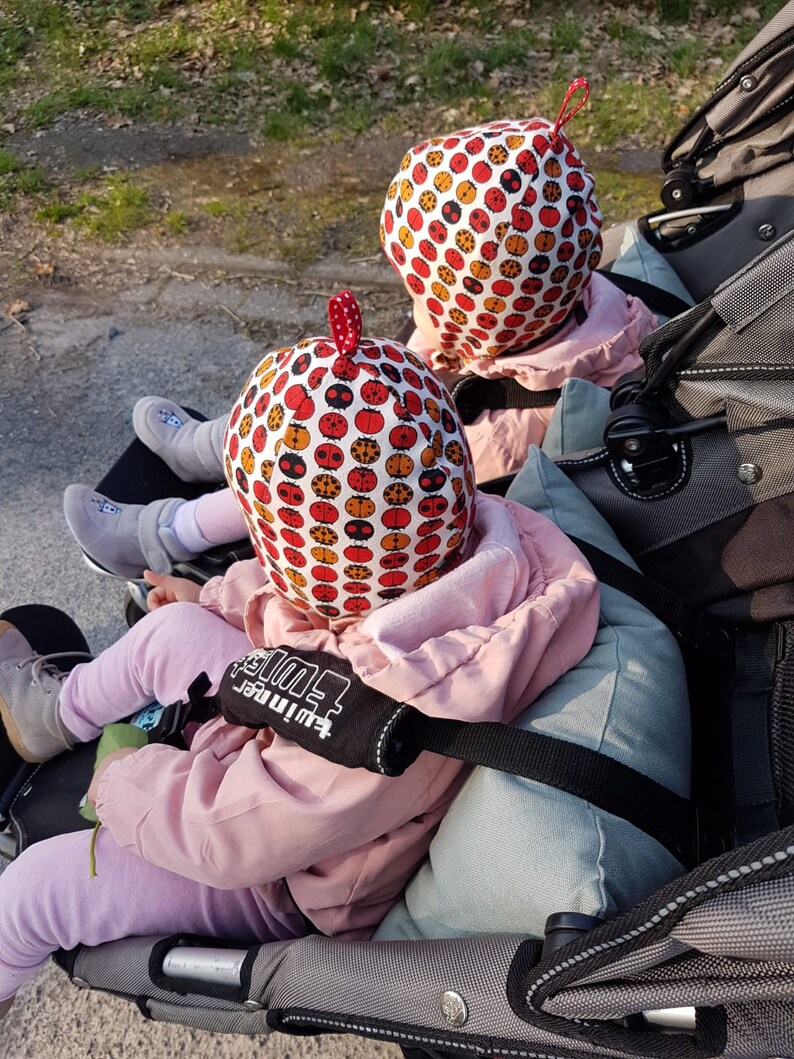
(345, 319)
(565, 116)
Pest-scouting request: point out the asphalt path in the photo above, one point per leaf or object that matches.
(71, 370)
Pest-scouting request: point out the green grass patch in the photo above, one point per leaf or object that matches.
(674, 10)
(347, 49)
(686, 58)
(133, 11)
(43, 110)
(114, 211)
(16, 178)
(160, 44)
(84, 173)
(296, 112)
(133, 102)
(508, 52)
(286, 46)
(216, 208)
(448, 73)
(177, 222)
(14, 41)
(566, 35)
(356, 117)
(634, 42)
(284, 126)
(625, 196)
(58, 212)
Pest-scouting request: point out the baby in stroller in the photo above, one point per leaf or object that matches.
(495, 233)
(353, 475)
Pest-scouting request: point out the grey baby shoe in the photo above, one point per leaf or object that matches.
(29, 688)
(191, 448)
(124, 539)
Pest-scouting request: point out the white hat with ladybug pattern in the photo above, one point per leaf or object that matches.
(495, 230)
(352, 469)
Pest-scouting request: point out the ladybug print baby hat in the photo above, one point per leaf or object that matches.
(351, 466)
(495, 231)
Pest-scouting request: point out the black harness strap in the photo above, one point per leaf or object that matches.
(316, 700)
(656, 298)
(691, 625)
(604, 782)
(474, 394)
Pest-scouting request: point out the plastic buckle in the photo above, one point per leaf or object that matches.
(178, 715)
(171, 724)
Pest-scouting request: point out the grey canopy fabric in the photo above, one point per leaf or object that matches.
(747, 126)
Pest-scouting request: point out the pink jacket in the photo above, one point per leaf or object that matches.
(245, 809)
(600, 350)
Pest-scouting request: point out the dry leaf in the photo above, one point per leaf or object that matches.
(16, 307)
(118, 121)
(43, 268)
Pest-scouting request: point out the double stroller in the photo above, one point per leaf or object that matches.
(616, 878)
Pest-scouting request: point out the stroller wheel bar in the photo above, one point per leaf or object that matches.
(220, 966)
(655, 219)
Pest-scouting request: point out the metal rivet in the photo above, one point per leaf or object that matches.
(749, 473)
(748, 83)
(677, 194)
(453, 1008)
(766, 232)
(632, 445)
(81, 983)
(252, 1005)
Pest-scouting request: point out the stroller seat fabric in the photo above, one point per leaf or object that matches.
(511, 851)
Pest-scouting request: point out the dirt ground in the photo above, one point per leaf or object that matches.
(291, 205)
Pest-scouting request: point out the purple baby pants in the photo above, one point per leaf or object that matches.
(47, 899)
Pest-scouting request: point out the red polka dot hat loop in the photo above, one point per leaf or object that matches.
(352, 469)
(345, 319)
(495, 231)
(564, 116)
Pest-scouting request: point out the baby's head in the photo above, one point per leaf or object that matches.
(352, 469)
(494, 230)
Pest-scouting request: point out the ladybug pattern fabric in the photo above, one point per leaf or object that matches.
(495, 230)
(352, 470)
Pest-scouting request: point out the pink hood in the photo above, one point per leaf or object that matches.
(245, 809)
(600, 349)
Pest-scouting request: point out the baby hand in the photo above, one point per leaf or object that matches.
(170, 589)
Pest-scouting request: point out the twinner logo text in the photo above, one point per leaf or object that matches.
(298, 691)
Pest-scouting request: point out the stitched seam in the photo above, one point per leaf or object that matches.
(602, 889)
(599, 456)
(746, 373)
(387, 728)
(396, 1034)
(656, 496)
(737, 136)
(23, 788)
(673, 906)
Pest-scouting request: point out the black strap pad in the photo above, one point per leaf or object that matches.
(316, 700)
